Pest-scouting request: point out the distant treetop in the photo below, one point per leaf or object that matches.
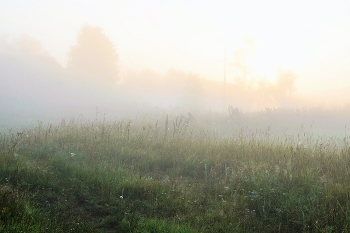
(94, 54)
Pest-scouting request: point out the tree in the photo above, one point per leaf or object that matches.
(240, 65)
(94, 54)
(284, 86)
(31, 46)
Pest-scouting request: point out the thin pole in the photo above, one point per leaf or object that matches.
(225, 66)
(225, 77)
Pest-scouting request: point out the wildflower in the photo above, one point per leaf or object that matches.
(254, 195)
(122, 196)
(222, 198)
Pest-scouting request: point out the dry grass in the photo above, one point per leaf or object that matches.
(172, 175)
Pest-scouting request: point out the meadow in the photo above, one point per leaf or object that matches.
(174, 174)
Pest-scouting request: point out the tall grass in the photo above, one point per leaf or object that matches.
(171, 175)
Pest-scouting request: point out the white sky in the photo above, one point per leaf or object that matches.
(310, 37)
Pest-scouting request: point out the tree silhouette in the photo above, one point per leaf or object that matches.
(30, 45)
(284, 86)
(94, 54)
(240, 65)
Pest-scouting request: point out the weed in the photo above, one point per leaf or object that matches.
(136, 176)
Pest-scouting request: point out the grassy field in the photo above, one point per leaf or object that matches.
(171, 175)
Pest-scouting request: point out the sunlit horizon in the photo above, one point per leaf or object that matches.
(309, 38)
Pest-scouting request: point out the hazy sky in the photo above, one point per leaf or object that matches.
(309, 37)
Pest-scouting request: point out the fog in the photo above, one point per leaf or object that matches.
(291, 69)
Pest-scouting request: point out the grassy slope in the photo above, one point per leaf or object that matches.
(142, 177)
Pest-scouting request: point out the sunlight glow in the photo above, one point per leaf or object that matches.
(307, 37)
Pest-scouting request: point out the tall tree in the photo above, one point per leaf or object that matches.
(94, 54)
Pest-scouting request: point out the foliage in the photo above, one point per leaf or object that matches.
(94, 54)
(30, 45)
(170, 175)
(285, 83)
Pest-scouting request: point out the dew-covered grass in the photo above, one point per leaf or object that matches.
(171, 174)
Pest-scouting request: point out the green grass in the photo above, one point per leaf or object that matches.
(170, 175)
